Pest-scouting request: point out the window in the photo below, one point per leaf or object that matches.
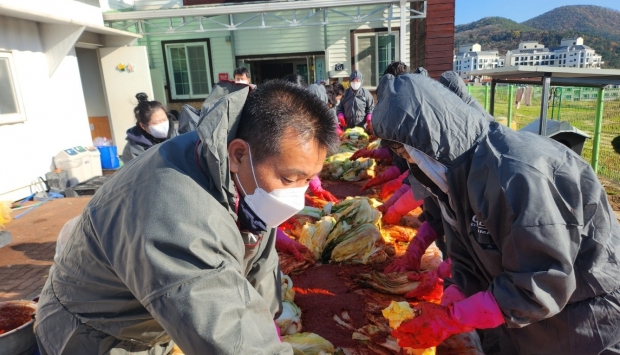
(188, 69)
(11, 107)
(372, 55)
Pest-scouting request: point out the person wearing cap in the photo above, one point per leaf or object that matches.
(355, 108)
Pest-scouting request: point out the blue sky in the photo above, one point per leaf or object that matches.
(520, 10)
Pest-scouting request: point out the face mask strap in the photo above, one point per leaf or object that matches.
(253, 174)
(241, 186)
(252, 164)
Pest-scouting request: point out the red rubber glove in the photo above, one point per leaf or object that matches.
(390, 174)
(393, 185)
(436, 323)
(405, 204)
(342, 121)
(285, 244)
(318, 191)
(411, 260)
(379, 154)
(339, 131)
(403, 189)
(431, 282)
(452, 294)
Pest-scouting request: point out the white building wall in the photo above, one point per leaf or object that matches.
(56, 116)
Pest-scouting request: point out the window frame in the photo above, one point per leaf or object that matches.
(172, 97)
(20, 116)
(375, 34)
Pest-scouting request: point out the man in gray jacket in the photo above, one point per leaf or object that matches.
(533, 241)
(178, 247)
(355, 107)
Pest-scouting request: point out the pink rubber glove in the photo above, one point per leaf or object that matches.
(405, 204)
(403, 189)
(318, 191)
(278, 331)
(380, 154)
(411, 260)
(393, 185)
(452, 294)
(436, 323)
(285, 244)
(369, 123)
(342, 121)
(390, 174)
(431, 282)
(339, 131)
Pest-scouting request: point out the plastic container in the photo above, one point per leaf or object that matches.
(109, 157)
(58, 180)
(16, 323)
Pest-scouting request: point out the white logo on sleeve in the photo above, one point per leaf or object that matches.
(482, 229)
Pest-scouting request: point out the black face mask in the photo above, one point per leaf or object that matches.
(248, 220)
(422, 178)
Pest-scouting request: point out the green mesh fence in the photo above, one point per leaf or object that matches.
(576, 105)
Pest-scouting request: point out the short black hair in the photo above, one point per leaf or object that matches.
(331, 98)
(241, 71)
(396, 69)
(338, 88)
(295, 79)
(278, 105)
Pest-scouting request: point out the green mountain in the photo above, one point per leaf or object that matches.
(549, 29)
(590, 19)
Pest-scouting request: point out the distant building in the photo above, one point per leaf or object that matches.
(471, 57)
(571, 53)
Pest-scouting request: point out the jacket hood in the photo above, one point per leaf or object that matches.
(319, 91)
(138, 135)
(219, 119)
(356, 74)
(420, 112)
(454, 83)
(421, 70)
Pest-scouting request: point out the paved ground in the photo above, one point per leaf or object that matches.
(24, 264)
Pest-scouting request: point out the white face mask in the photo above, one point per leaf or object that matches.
(431, 167)
(337, 102)
(160, 130)
(276, 206)
(241, 82)
(356, 85)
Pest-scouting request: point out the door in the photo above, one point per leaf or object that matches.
(125, 72)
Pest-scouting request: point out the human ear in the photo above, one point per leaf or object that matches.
(236, 150)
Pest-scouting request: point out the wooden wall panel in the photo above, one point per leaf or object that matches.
(439, 37)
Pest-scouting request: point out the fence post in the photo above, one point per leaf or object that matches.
(598, 123)
(487, 97)
(560, 104)
(511, 100)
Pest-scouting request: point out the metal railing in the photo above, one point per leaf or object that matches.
(594, 111)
